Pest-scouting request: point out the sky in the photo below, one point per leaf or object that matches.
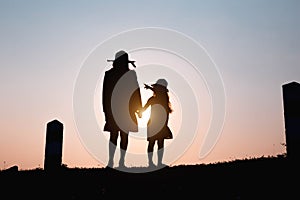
(46, 45)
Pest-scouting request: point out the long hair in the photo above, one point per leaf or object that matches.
(164, 99)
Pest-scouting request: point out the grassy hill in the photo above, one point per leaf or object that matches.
(257, 178)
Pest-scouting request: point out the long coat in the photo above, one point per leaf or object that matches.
(121, 98)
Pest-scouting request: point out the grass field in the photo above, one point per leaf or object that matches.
(257, 178)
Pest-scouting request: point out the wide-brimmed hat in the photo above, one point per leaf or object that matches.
(122, 56)
(161, 83)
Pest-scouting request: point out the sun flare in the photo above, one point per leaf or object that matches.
(145, 117)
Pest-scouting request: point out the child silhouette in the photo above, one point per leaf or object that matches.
(157, 126)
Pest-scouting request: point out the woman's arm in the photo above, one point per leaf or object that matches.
(149, 103)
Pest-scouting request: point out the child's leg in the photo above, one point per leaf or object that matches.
(160, 152)
(150, 152)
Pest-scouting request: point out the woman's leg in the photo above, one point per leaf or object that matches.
(112, 147)
(123, 148)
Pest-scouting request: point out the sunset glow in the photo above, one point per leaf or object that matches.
(53, 56)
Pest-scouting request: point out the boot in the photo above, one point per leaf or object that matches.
(150, 161)
(111, 151)
(122, 158)
(160, 154)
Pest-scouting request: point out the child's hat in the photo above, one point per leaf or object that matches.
(161, 83)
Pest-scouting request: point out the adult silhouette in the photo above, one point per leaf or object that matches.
(121, 99)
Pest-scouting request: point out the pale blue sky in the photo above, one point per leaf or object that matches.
(255, 45)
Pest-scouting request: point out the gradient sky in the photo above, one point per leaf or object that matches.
(255, 45)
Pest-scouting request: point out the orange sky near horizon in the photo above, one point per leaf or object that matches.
(47, 46)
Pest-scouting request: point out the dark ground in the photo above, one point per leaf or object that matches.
(259, 178)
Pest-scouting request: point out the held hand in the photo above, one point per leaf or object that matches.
(139, 113)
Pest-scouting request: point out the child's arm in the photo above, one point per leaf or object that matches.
(149, 102)
(148, 87)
